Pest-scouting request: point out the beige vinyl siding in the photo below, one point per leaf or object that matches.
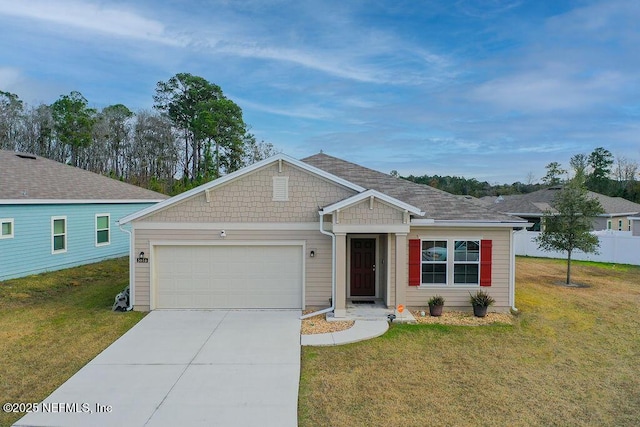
(361, 213)
(317, 269)
(458, 297)
(250, 199)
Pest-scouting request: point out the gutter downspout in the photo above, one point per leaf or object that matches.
(131, 265)
(333, 271)
(512, 273)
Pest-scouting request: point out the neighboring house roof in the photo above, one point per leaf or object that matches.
(538, 202)
(437, 204)
(29, 179)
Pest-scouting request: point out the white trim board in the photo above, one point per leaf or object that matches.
(281, 226)
(75, 202)
(480, 223)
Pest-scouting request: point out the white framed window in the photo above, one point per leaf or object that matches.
(609, 224)
(450, 262)
(103, 229)
(280, 188)
(58, 234)
(619, 225)
(6, 228)
(466, 262)
(434, 262)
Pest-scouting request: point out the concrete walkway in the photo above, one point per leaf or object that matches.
(360, 331)
(187, 368)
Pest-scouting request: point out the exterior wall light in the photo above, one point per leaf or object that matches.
(223, 234)
(312, 253)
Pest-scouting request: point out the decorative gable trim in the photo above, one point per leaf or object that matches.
(367, 194)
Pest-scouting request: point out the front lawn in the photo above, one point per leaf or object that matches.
(572, 357)
(52, 324)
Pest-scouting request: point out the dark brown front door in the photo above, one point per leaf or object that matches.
(363, 268)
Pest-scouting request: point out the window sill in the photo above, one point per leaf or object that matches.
(448, 286)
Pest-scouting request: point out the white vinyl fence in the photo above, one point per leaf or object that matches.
(618, 247)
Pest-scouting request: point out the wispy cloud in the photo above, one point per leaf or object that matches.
(487, 8)
(320, 61)
(345, 51)
(299, 111)
(9, 77)
(472, 87)
(110, 20)
(550, 90)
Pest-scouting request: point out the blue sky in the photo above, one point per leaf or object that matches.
(488, 89)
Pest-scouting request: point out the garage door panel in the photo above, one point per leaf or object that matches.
(228, 276)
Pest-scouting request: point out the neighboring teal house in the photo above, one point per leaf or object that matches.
(55, 216)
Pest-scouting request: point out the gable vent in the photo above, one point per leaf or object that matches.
(280, 188)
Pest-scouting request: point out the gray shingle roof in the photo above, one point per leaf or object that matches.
(28, 177)
(540, 201)
(436, 204)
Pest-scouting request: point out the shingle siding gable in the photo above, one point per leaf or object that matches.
(249, 198)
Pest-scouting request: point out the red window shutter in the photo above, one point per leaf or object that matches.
(415, 259)
(485, 262)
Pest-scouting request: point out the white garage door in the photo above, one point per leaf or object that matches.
(228, 276)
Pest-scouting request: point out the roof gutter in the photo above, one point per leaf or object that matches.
(75, 201)
(333, 271)
(611, 215)
(469, 223)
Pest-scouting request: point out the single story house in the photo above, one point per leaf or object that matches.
(287, 233)
(54, 216)
(532, 207)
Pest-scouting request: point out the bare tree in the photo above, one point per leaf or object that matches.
(11, 109)
(152, 157)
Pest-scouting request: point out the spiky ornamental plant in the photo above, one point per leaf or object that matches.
(569, 227)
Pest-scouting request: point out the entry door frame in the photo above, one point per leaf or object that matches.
(376, 276)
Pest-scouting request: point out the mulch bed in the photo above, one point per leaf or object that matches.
(319, 325)
(460, 318)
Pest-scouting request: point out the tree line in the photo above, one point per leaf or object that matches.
(471, 186)
(602, 172)
(193, 134)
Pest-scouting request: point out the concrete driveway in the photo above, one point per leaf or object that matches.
(187, 367)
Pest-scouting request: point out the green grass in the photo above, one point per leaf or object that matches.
(572, 357)
(52, 324)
